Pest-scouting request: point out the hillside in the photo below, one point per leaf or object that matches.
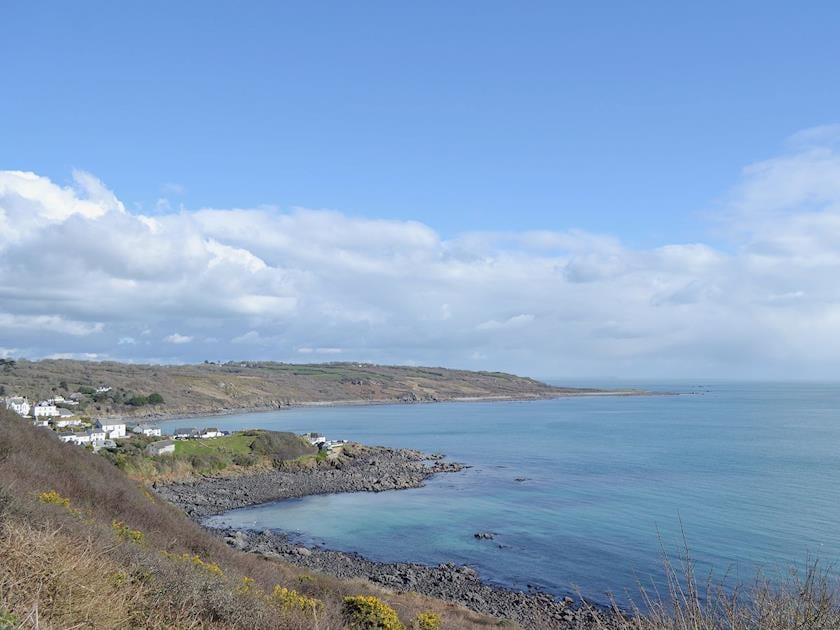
(81, 545)
(210, 388)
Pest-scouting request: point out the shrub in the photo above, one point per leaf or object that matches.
(54, 498)
(246, 586)
(136, 401)
(155, 399)
(245, 459)
(370, 613)
(210, 567)
(289, 599)
(126, 533)
(281, 445)
(427, 621)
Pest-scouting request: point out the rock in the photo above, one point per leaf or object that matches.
(301, 551)
(485, 535)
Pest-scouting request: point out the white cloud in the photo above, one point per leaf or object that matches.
(176, 338)
(306, 350)
(320, 283)
(517, 321)
(49, 323)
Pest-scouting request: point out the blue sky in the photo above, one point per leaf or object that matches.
(621, 117)
(629, 123)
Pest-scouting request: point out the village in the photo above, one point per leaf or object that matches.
(58, 414)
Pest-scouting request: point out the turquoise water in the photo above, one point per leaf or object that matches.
(750, 471)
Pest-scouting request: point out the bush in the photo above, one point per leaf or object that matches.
(245, 459)
(282, 445)
(126, 533)
(427, 621)
(155, 399)
(195, 560)
(370, 613)
(289, 599)
(136, 401)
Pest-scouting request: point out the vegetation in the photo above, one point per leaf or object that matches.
(230, 454)
(289, 599)
(806, 599)
(64, 570)
(427, 621)
(370, 613)
(139, 401)
(211, 387)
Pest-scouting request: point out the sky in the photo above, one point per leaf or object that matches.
(605, 189)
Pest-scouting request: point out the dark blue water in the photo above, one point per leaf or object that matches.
(751, 472)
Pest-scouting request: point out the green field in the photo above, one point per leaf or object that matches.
(238, 443)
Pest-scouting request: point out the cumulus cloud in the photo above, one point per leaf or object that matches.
(176, 338)
(82, 276)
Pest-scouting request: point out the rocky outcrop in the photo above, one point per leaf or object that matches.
(358, 469)
(460, 584)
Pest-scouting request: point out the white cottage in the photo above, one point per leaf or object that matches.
(164, 447)
(19, 405)
(113, 428)
(45, 409)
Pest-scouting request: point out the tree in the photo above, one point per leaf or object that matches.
(137, 401)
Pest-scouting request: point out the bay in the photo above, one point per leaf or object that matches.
(584, 494)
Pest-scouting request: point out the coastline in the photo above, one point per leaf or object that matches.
(369, 469)
(376, 402)
(532, 609)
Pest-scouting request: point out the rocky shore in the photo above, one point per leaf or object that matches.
(460, 584)
(357, 468)
(361, 468)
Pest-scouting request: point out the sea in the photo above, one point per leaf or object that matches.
(587, 495)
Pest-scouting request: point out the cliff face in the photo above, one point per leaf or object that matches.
(208, 388)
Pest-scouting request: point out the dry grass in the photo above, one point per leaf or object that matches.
(804, 599)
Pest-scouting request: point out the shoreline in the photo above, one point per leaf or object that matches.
(369, 469)
(532, 609)
(376, 402)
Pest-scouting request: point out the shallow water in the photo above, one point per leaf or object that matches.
(750, 471)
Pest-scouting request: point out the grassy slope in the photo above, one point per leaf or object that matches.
(67, 566)
(230, 455)
(208, 388)
(238, 443)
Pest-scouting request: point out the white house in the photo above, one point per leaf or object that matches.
(97, 434)
(113, 428)
(103, 390)
(211, 432)
(41, 423)
(19, 405)
(67, 422)
(314, 438)
(67, 437)
(163, 447)
(46, 409)
(185, 434)
(149, 431)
